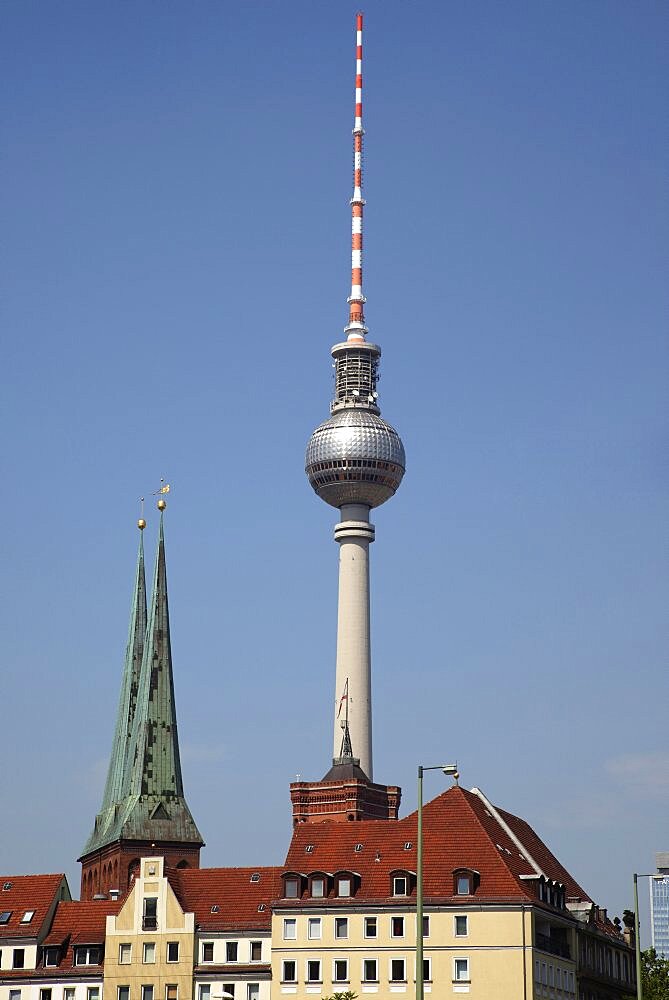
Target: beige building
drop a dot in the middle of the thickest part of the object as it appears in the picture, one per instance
(149, 944)
(498, 909)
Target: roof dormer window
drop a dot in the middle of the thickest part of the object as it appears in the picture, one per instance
(465, 881)
(400, 885)
(317, 887)
(51, 956)
(292, 886)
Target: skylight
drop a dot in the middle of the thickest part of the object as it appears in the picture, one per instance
(358, 847)
(4, 917)
(214, 908)
(261, 907)
(6, 886)
(408, 845)
(255, 877)
(27, 916)
(309, 849)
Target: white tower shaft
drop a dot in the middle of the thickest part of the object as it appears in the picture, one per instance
(353, 678)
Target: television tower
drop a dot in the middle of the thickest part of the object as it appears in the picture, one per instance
(355, 461)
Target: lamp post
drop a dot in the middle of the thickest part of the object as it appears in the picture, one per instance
(637, 941)
(449, 769)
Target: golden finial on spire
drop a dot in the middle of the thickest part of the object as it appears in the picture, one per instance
(164, 488)
(141, 523)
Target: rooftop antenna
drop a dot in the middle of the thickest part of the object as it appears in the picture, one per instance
(356, 329)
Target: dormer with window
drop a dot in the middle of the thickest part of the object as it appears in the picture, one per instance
(293, 885)
(465, 881)
(87, 954)
(319, 884)
(346, 883)
(402, 882)
(51, 956)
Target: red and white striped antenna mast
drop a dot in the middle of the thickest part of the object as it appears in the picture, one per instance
(356, 329)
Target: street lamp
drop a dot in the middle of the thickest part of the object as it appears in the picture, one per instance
(637, 941)
(448, 769)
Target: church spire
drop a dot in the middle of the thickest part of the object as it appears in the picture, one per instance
(155, 759)
(144, 806)
(118, 771)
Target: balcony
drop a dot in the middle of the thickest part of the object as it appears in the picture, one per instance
(149, 923)
(552, 945)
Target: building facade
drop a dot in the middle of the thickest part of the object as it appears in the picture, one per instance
(659, 905)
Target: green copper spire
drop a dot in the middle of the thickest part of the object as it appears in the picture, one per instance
(144, 797)
(118, 772)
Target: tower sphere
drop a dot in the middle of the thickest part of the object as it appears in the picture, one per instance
(355, 457)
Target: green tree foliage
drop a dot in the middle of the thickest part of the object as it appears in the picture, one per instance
(654, 976)
(342, 996)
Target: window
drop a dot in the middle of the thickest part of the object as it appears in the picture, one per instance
(369, 971)
(314, 929)
(150, 918)
(340, 970)
(341, 927)
(27, 916)
(68, 993)
(318, 888)
(461, 970)
(45, 993)
(147, 993)
(124, 954)
(229, 988)
(344, 887)
(171, 991)
(51, 956)
(427, 970)
(289, 929)
(397, 927)
(255, 877)
(426, 927)
(399, 885)
(123, 993)
(292, 888)
(4, 916)
(15, 995)
(463, 885)
(149, 953)
(204, 991)
(256, 951)
(172, 951)
(397, 970)
(460, 926)
(537, 971)
(253, 991)
(93, 993)
(551, 976)
(370, 927)
(289, 972)
(207, 951)
(313, 971)
(231, 949)
(88, 954)
(18, 958)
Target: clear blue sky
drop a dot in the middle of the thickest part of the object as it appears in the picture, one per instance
(176, 261)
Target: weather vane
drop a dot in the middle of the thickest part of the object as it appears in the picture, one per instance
(164, 488)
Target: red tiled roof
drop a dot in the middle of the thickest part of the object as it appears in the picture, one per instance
(79, 923)
(232, 891)
(458, 832)
(28, 892)
(82, 923)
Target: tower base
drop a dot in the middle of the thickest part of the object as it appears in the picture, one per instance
(345, 794)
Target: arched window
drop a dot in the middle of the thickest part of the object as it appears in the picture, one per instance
(183, 864)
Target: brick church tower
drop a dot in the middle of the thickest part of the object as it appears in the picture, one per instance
(143, 808)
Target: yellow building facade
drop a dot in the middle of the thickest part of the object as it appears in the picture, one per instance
(149, 943)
